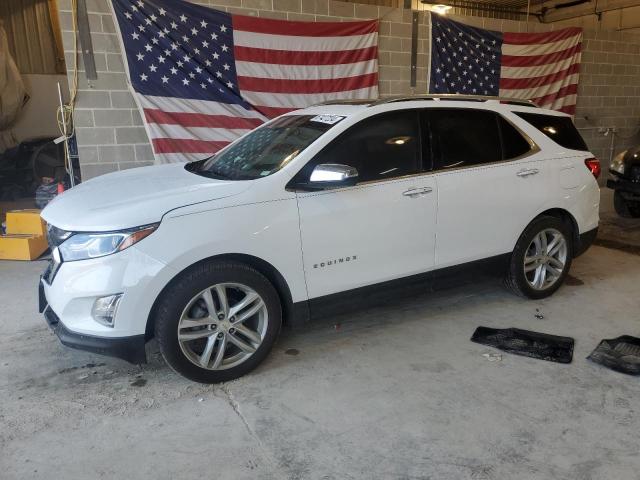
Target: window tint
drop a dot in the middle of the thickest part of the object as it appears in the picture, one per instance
(268, 148)
(513, 143)
(559, 129)
(384, 146)
(464, 137)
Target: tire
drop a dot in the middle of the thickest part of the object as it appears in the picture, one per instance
(520, 281)
(634, 209)
(185, 306)
(622, 207)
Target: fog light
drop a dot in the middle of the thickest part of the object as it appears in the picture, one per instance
(104, 309)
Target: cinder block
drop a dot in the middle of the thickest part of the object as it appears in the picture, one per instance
(400, 30)
(116, 153)
(122, 100)
(98, 6)
(114, 62)
(83, 117)
(257, 4)
(301, 17)
(391, 15)
(341, 9)
(88, 154)
(390, 44)
(105, 42)
(91, 171)
(95, 135)
(108, 25)
(105, 81)
(95, 22)
(366, 11)
(316, 7)
(144, 153)
(287, 6)
(272, 14)
(112, 118)
(88, 99)
(126, 135)
(136, 117)
(242, 11)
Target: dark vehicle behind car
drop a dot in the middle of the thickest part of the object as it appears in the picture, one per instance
(625, 181)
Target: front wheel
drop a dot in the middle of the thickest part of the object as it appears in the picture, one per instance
(541, 259)
(218, 321)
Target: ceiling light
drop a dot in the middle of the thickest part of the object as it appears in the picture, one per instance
(397, 140)
(440, 8)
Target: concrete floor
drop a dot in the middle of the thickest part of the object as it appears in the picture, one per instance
(397, 392)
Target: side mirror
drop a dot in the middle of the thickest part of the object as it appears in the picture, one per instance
(332, 175)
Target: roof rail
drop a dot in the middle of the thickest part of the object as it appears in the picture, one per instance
(455, 96)
(362, 101)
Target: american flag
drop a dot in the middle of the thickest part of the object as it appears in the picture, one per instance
(542, 67)
(203, 77)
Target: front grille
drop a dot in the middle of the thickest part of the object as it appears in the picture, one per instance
(634, 173)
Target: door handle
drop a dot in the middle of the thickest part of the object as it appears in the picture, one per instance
(414, 192)
(527, 172)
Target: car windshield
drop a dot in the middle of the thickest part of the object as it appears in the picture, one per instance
(268, 148)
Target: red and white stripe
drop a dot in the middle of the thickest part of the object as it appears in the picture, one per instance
(543, 67)
(286, 65)
(185, 130)
(281, 66)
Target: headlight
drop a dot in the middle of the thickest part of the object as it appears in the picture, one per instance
(81, 246)
(617, 165)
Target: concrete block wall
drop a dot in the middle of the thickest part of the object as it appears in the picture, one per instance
(609, 91)
(111, 135)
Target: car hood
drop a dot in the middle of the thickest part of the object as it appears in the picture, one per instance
(135, 197)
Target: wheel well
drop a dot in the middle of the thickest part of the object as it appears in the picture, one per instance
(264, 267)
(567, 218)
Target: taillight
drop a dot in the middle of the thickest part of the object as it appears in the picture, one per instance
(593, 164)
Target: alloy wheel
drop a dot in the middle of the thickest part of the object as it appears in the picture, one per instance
(222, 326)
(545, 259)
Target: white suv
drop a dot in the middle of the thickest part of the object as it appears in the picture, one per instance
(320, 205)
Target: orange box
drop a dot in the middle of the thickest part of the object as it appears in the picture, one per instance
(22, 247)
(25, 222)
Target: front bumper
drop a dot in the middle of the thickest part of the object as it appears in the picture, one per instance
(586, 239)
(67, 298)
(131, 349)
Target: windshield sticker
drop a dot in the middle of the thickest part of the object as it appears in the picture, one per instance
(328, 119)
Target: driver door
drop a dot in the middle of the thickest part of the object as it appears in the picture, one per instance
(381, 229)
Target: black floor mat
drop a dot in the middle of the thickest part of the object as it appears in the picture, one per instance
(621, 354)
(529, 344)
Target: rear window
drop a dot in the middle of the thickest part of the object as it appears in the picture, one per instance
(559, 129)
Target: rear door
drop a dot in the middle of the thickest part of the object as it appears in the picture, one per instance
(382, 228)
(491, 180)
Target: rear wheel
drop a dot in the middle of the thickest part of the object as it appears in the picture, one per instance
(218, 321)
(541, 259)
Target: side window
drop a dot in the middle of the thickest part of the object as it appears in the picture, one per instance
(380, 147)
(464, 137)
(513, 143)
(560, 129)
